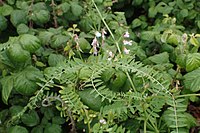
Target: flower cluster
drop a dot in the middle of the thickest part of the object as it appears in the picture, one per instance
(95, 43)
(126, 42)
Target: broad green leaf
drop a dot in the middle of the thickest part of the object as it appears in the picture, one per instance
(37, 129)
(30, 42)
(15, 109)
(58, 41)
(17, 129)
(76, 9)
(55, 59)
(41, 16)
(192, 61)
(181, 60)
(45, 37)
(25, 81)
(184, 13)
(17, 54)
(194, 41)
(192, 80)
(22, 29)
(198, 24)
(136, 23)
(17, 17)
(5, 10)
(163, 8)
(58, 120)
(160, 58)
(148, 35)
(3, 23)
(11, 2)
(173, 39)
(137, 2)
(7, 86)
(84, 45)
(164, 37)
(31, 118)
(53, 128)
(64, 7)
(152, 12)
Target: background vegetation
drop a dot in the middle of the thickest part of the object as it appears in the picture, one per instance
(99, 66)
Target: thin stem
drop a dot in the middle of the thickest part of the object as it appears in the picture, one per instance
(187, 95)
(103, 20)
(130, 80)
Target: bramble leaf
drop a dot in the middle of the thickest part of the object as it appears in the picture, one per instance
(7, 86)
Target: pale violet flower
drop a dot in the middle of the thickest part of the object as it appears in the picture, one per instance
(97, 34)
(126, 35)
(95, 42)
(126, 51)
(125, 42)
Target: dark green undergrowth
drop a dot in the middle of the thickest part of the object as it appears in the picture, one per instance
(95, 66)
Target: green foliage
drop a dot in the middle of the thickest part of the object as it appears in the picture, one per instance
(99, 65)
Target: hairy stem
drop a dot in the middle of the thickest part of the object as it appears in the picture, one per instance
(103, 20)
(53, 5)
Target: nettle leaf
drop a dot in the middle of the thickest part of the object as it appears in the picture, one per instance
(41, 16)
(194, 41)
(17, 129)
(163, 8)
(148, 35)
(45, 37)
(25, 81)
(3, 23)
(17, 54)
(5, 10)
(64, 7)
(37, 129)
(17, 17)
(136, 23)
(58, 120)
(152, 12)
(22, 29)
(7, 86)
(30, 42)
(192, 61)
(30, 119)
(55, 59)
(181, 60)
(76, 9)
(173, 39)
(184, 13)
(58, 41)
(84, 45)
(192, 80)
(52, 128)
(160, 58)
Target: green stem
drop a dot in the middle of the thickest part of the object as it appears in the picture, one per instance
(130, 80)
(187, 95)
(103, 20)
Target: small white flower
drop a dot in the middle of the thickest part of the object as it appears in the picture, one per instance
(109, 59)
(125, 42)
(102, 121)
(126, 51)
(126, 35)
(110, 54)
(97, 34)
